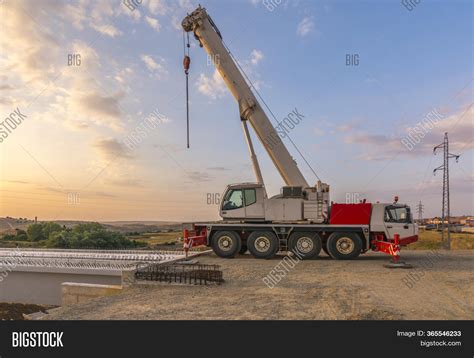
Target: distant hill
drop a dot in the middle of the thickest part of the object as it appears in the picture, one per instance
(8, 224)
(142, 226)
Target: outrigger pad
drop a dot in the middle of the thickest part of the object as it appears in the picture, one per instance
(399, 264)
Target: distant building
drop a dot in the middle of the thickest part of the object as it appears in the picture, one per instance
(436, 221)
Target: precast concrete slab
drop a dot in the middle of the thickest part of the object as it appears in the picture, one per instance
(108, 255)
(36, 275)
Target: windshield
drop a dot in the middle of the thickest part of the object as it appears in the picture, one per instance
(233, 200)
(397, 214)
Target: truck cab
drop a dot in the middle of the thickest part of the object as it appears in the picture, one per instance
(393, 219)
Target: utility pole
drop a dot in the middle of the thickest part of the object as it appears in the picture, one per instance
(445, 209)
(419, 210)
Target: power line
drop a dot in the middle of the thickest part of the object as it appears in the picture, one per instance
(445, 208)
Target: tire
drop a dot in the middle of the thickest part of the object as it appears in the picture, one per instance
(344, 246)
(263, 244)
(305, 245)
(243, 249)
(226, 243)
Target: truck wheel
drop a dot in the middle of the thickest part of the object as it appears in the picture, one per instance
(243, 249)
(226, 243)
(344, 246)
(263, 244)
(305, 245)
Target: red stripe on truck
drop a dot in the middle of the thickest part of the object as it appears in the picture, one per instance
(350, 214)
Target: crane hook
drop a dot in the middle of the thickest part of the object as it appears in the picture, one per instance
(186, 64)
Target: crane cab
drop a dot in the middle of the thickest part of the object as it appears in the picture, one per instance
(243, 201)
(249, 202)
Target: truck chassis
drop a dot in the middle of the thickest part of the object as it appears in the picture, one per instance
(305, 240)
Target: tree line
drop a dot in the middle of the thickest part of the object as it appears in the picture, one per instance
(80, 236)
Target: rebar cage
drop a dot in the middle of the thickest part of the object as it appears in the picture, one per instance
(197, 274)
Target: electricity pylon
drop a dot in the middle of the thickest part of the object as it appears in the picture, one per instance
(445, 209)
(420, 209)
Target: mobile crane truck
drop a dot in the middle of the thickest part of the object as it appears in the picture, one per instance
(300, 219)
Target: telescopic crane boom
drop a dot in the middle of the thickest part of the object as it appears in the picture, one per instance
(209, 37)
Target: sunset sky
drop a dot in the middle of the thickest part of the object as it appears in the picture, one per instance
(68, 159)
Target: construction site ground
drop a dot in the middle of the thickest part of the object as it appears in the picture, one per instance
(320, 289)
(15, 311)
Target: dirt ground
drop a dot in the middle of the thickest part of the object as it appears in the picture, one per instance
(15, 311)
(441, 286)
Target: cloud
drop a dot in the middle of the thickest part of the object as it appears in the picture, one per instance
(124, 75)
(5, 87)
(199, 176)
(325, 127)
(76, 15)
(154, 23)
(100, 105)
(150, 62)
(319, 132)
(176, 23)
(212, 87)
(218, 168)
(131, 10)
(459, 125)
(256, 56)
(306, 26)
(347, 127)
(110, 149)
(35, 59)
(101, 16)
(89, 56)
(104, 194)
(174, 10)
(371, 79)
(7, 101)
(158, 7)
(96, 15)
(102, 10)
(158, 68)
(124, 182)
(27, 50)
(108, 30)
(15, 181)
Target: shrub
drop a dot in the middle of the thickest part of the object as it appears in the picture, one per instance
(90, 235)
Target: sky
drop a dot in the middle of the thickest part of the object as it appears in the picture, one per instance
(378, 84)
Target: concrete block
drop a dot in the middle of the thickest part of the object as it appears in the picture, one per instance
(73, 292)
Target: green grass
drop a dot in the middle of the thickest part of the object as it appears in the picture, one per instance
(431, 240)
(152, 239)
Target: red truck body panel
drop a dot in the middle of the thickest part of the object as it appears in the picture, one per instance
(350, 214)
